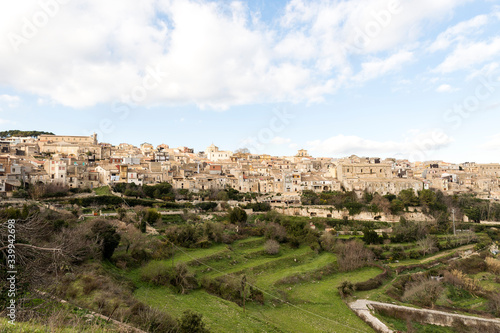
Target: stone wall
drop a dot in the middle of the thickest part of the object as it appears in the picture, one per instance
(331, 212)
(439, 318)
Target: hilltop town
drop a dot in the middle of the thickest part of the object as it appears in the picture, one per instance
(161, 239)
(81, 162)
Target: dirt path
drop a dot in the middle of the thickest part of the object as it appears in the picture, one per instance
(447, 252)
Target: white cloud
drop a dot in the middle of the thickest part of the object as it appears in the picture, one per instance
(277, 140)
(493, 143)
(211, 54)
(10, 100)
(415, 144)
(466, 55)
(458, 32)
(484, 71)
(379, 67)
(445, 88)
(6, 121)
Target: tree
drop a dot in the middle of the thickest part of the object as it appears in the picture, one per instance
(397, 206)
(191, 322)
(352, 255)
(152, 216)
(428, 245)
(107, 237)
(242, 151)
(474, 214)
(408, 197)
(371, 237)
(382, 204)
(427, 197)
(237, 215)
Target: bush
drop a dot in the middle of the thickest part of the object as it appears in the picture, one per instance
(493, 265)
(275, 231)
(272, 247)
(373, 283)
(152, 216)
(422, 292)
(206, 206)
(327, 241)
(237, 215)
(346, 288)
(151, 320)
(191, 322)
(107, 237)
(161, 273)
(471, 265)
(352, 255)
(259, 206)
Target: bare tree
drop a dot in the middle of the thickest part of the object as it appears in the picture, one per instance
(427, 245)
(352, 255)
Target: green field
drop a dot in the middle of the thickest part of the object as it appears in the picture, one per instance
(103, 190)
(310, 306)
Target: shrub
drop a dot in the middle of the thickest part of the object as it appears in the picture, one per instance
(494, 303)
(493, 265)
(459, 279)
(471, 265)
(398, 253)
(151, 320)
(373, 283)
(422, 292)
(152, 216)
(191, 322)
(327, 241)
(352, 255)
(272, 247)
(107, 237)
(275, 231)
(346, 288)
(230, 287)
(160, 273)
(206, 206)
(237, 215)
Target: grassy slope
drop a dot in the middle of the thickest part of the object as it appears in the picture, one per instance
(103, 190)
(318, 305)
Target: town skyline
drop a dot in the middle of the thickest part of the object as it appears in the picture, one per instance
(297, 148)
(384, 78)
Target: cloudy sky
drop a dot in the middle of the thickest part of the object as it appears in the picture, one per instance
(416, 79)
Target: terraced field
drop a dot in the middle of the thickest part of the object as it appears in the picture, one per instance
(305, 306)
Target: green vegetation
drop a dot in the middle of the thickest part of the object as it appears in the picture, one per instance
(10, 133)
(203, 271)
(409, 325)
(103, 190)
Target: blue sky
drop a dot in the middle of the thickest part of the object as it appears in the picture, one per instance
(407, 79)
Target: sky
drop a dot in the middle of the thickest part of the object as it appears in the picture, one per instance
(414, 79)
